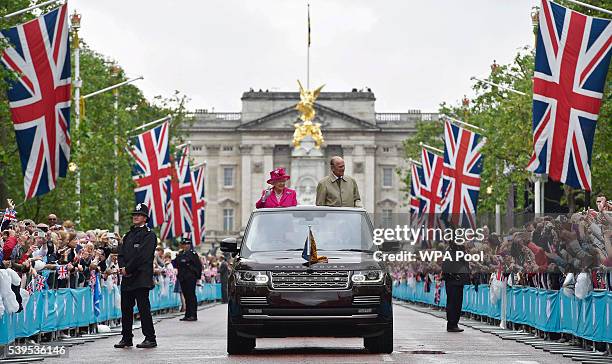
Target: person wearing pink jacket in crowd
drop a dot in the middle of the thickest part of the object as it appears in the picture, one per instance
(278, 195)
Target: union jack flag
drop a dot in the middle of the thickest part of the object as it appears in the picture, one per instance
(461, 179)
(198, 204)
(62, 272)
(431, 192)
(571, 64)
(152, 171)
(179, 218)
(92, 279)
(39, 282)
(416, 178)
(39, 98)
(9, 215)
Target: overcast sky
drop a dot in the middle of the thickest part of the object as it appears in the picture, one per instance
(412, 54)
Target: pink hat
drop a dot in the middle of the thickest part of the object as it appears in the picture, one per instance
(278, 174)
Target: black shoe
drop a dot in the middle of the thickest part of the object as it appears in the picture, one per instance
(191, 319)
(455, 329)
(183, 319)
(147, 344)
(123, 344)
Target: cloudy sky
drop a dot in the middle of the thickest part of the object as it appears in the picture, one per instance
(412, 54)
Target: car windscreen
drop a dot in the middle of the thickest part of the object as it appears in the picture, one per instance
(288, 230)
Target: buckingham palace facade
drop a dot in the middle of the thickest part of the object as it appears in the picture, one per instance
(241, 148)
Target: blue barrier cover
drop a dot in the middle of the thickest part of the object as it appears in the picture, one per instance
(551, 311)
(53, 310)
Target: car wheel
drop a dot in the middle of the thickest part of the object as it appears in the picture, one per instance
(237, 344)
(380, 344)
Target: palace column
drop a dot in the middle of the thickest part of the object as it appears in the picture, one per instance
(245, 178)
(347, 152)
(367, 196)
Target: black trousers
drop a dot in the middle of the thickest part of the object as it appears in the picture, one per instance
(139, 296)
(454, 300)
(188, 287)
(223, 290)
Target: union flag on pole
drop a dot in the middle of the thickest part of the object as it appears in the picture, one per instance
(461, 179)
(198, 204)
(152, 171)
(39, 99)
(416, 178)
(179, 217)
(571, 64)
(431, 192)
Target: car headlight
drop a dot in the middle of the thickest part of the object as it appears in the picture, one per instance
(252, 277)
(367, 277)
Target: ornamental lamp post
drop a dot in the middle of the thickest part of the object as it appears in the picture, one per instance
(75, 24)
(535, 19)
(116, 71)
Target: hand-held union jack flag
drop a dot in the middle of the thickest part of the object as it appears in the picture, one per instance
(62, 272)
(39, 98)
(152, 171)
(179, 216)
(571, 64)
(198, 204)
(461, 179)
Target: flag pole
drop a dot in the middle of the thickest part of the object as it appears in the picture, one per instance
(75, 22)
(457, 121)
(167, 117)
(308, 53)
(590, 6)
(500, 86)
(431, 148)
(415, 162)
(112, 87)
(32, 8)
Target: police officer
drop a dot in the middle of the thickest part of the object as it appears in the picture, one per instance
(456, 274)
(189, 268)
(136, 267)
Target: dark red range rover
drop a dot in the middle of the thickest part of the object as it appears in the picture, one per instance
(274, 292)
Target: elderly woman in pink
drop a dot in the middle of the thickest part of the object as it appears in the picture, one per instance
(278, 195)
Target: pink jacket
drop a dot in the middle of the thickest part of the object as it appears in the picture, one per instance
(288, 199)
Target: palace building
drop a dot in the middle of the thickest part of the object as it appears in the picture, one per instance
(241, 148)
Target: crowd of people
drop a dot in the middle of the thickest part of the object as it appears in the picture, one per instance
(547, 252)
(54, 254)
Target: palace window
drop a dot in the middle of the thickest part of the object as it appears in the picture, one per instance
(387, 177)
(228, 220)
(228, 176)
(387, 218)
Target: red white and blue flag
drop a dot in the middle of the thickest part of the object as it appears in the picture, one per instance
(416, 178)
(198, 204)
(431, 192)
(9, 215)
(39, 98)
(152, 171)
(62, 271)
(179, 217)
(461, 179)
(571, 64)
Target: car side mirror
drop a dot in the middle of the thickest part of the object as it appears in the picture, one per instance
(229, 245)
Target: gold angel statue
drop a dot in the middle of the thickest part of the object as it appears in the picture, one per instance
(306, 104)
(306, 108)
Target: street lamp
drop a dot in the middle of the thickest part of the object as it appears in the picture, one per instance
(75, 22)
(494, 67)
(535, 20)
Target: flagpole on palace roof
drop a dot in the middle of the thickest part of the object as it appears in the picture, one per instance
(308, 53)
(32, 8)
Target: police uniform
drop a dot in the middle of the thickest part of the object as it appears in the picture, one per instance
(136, 255)
(189, 267)
(456, 274)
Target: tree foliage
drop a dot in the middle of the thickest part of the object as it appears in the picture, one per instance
(94, 153)
(507, 120)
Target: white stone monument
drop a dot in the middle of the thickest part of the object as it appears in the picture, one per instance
(307, 168)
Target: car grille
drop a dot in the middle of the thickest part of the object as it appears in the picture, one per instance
(253, 301)
(366, 300)
(312, 280)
